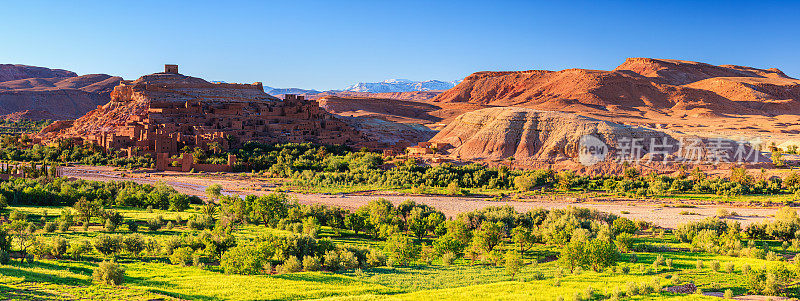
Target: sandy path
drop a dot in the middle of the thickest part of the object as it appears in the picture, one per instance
(659, 215)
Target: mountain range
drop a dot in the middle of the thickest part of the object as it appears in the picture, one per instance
(387, 86)
(400, 85)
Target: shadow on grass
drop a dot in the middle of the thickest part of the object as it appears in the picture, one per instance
(16, 270)
(14, 293)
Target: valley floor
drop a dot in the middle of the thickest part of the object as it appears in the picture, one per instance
(667, 213)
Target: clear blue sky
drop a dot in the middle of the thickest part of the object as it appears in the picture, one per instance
(331, 44)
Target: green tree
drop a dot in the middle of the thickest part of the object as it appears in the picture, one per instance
(488, 235)
(416, 222)
(513, 262)
(86, 209)
(271, 208)
(777, 158)
(600, 254)
(624, 225)
(523, 237)
(572, 254)
(356, 222)
(402, 249)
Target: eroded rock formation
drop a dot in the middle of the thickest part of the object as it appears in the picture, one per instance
(532, 135)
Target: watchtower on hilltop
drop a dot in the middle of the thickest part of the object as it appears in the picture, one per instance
(171, 69)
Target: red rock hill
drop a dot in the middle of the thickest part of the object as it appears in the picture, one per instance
(54, 93)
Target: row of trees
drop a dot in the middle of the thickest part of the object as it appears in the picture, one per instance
(20, 148)
(328, 166)
(63, 192)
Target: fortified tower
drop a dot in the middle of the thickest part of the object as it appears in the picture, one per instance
(171, 69)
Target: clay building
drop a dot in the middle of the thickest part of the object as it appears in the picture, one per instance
(166, 112)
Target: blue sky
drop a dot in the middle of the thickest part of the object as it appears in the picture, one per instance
(331, 44)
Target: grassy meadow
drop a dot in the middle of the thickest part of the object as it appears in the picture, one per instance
(541, 277)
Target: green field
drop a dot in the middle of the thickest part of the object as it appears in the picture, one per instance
(153, 276)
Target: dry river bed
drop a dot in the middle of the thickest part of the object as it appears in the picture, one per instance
(193, 184)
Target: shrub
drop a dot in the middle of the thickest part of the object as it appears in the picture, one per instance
(50, 227)
(513, 262)
(699, 264)
(59, 247)
(292, 265)
(339, 259)
(659, 261)
(624, 242)
(154, 224)
(110, 226)
(729, 267)
(623, 225)
(715, 265)
(728, 294)
(63, 226)
(376, 259)
(267, 267)
(312, 263)
(668, 262)
(631, 289)
(745, 269)
(772, 256)
(76, 250)
(178, 202)
(448, 258)
(347, 260)
(200, 222)
(133, 226)
(198, 259)
(133, 244)
(181, 256)
(107, 244)
(17, 215)
(66, 220)
(109, 273)
(245, 260)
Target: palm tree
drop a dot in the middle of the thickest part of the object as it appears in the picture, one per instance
(215, 147)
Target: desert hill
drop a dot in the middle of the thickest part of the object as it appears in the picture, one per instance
(530, 135)
(383, 108)
(29, 115)
(9, 72)
(683, 96)
(677, 88)
(534, 138)
(55, 93)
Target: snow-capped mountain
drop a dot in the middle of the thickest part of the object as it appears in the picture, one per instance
(400, 85)
(280, 91)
